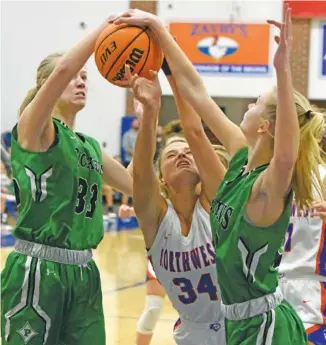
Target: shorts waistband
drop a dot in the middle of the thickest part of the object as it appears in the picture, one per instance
(253, 307)
(60, 255)
(214, 325)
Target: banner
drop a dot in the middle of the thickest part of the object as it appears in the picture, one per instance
(307, 9)
(225, 48)
(323, 56)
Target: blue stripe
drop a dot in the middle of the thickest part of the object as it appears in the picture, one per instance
(322, 258)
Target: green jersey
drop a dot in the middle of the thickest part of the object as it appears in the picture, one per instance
(59, 192)
(247, 256)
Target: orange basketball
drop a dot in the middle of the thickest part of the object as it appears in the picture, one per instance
(118, 45)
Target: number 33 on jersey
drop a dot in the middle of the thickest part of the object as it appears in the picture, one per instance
(65, 182)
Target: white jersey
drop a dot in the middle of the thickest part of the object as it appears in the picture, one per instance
(185, 266)
(304, 252)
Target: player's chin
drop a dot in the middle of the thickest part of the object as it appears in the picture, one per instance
(188, 172)
(79, 105)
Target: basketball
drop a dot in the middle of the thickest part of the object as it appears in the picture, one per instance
(118, 45)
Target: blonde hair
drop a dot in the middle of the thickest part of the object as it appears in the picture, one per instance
(306, 178)
(223, 155)
(44, 70)
(323, 139)
(172, 129)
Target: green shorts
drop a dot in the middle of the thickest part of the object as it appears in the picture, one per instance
(45, 302)
(279, 326)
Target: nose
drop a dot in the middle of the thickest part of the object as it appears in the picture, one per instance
(181, 154)
(80, 83)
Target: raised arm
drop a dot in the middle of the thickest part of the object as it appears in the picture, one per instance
(188, 81)
(278, 176)
(35, 126)
(211, 170)
(150, 207)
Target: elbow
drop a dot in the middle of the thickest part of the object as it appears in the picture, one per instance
(62, 67)
(194, 132)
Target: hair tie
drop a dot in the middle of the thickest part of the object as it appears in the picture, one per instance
(308, 114)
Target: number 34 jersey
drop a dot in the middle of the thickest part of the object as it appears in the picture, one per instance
(59, 191)
(185, 266)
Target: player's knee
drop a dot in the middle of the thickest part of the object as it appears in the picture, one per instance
(150, 315)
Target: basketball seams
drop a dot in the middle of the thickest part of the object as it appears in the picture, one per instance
(148, 50)
(127, 46)
(111, 33)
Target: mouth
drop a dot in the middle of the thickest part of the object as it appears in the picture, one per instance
(183, 164)
(81, 93)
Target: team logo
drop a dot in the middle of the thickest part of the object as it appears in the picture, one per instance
(217, 46)
(215, 326)
(27, 332)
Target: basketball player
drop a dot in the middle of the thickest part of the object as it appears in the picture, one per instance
(176, 226)
(155, 292)
(51, 289)
(303, 267)
(251, 210)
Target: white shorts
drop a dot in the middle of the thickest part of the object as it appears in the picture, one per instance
(191, 333)
(308, 298)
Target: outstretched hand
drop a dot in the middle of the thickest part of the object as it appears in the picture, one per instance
(134, 17)
(284, 40)
(126, 211)
(146, 91)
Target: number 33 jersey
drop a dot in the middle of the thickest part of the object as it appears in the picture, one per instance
(58, 192)
(185, 266)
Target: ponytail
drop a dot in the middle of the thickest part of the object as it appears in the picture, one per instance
(306, 181)
(307, 184)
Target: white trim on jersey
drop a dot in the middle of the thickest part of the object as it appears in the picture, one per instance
(23, 299)
(270, 332)
(35, 303)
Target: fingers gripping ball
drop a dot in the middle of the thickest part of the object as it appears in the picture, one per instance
(118, 45)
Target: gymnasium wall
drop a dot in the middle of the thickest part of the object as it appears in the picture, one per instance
(30, 31)
(317, 58)
(39, 28)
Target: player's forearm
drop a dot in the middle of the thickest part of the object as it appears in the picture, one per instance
(145, 144)
(76, 58)
(287, 131)
(190, 120)
(182, 69)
